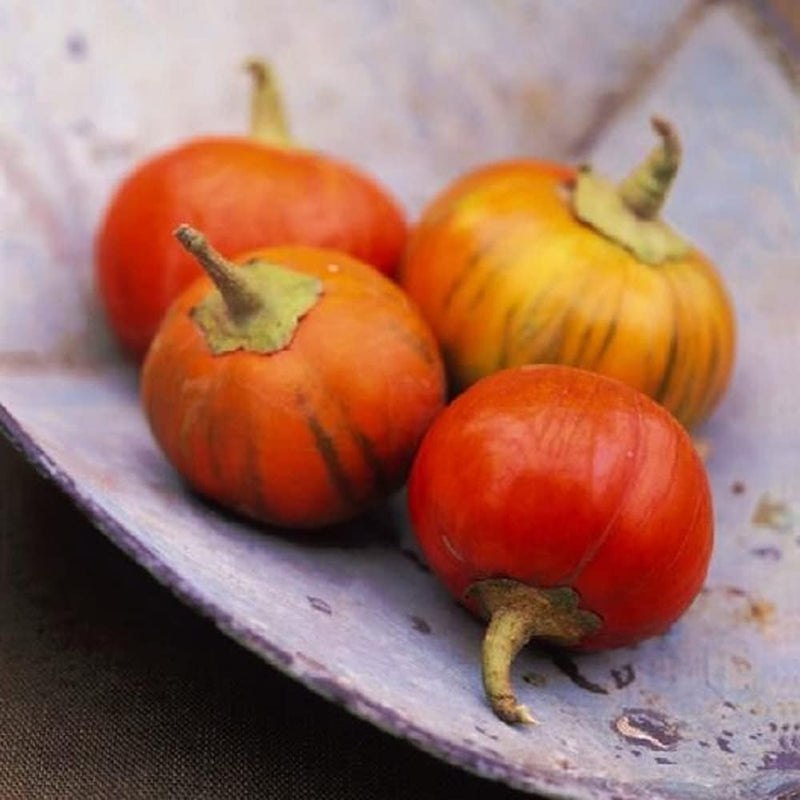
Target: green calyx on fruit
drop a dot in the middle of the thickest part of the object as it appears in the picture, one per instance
(258, 305)
(628, 213)
(267, 117)
(518, 613)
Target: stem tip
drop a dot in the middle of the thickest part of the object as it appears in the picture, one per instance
(190, 238)
(259, 70)
(645, 189)
(669, 137)
(509, 710)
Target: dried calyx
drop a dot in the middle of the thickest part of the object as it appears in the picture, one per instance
(256, 306)
(518, 613)
(628, 213)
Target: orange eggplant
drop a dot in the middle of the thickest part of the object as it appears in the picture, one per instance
(293, 388)
(243, 192)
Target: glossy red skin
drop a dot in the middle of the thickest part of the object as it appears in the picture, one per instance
(243, 195)
(555, 476)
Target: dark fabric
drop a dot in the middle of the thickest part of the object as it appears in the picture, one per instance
(110, 688)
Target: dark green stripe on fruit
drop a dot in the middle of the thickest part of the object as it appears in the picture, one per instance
(504, 351)
(672, 355)
(253, 474)
(479, 252)
(611, 332)
(371, 459)
(669, 368)
(326, 448)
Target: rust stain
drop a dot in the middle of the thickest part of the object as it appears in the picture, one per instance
(318, 604)
(751, 609)
(420, 625)
(762, 612)
(647, 728)
(787, 756)
(624, 676)
(773, 513)
(724, 744)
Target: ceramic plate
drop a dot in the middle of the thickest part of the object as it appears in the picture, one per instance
(417, 93)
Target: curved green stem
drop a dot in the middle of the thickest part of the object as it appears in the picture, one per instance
(267, 117)
(508, 632)
(627, 214)
(517, 613)
(258, 305)
(241, 299)
(645, 189)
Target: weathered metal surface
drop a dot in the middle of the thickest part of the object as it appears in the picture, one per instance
(709, 711)
(413, 90)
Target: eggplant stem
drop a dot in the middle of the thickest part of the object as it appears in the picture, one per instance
(267, 115)
(627, 213)
(508, 632)
(518, 613)
(242, 301)
(645, 189)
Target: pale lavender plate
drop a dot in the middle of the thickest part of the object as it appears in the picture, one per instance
(417, 93)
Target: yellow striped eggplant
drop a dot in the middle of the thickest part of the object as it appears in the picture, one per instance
(526, 262)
